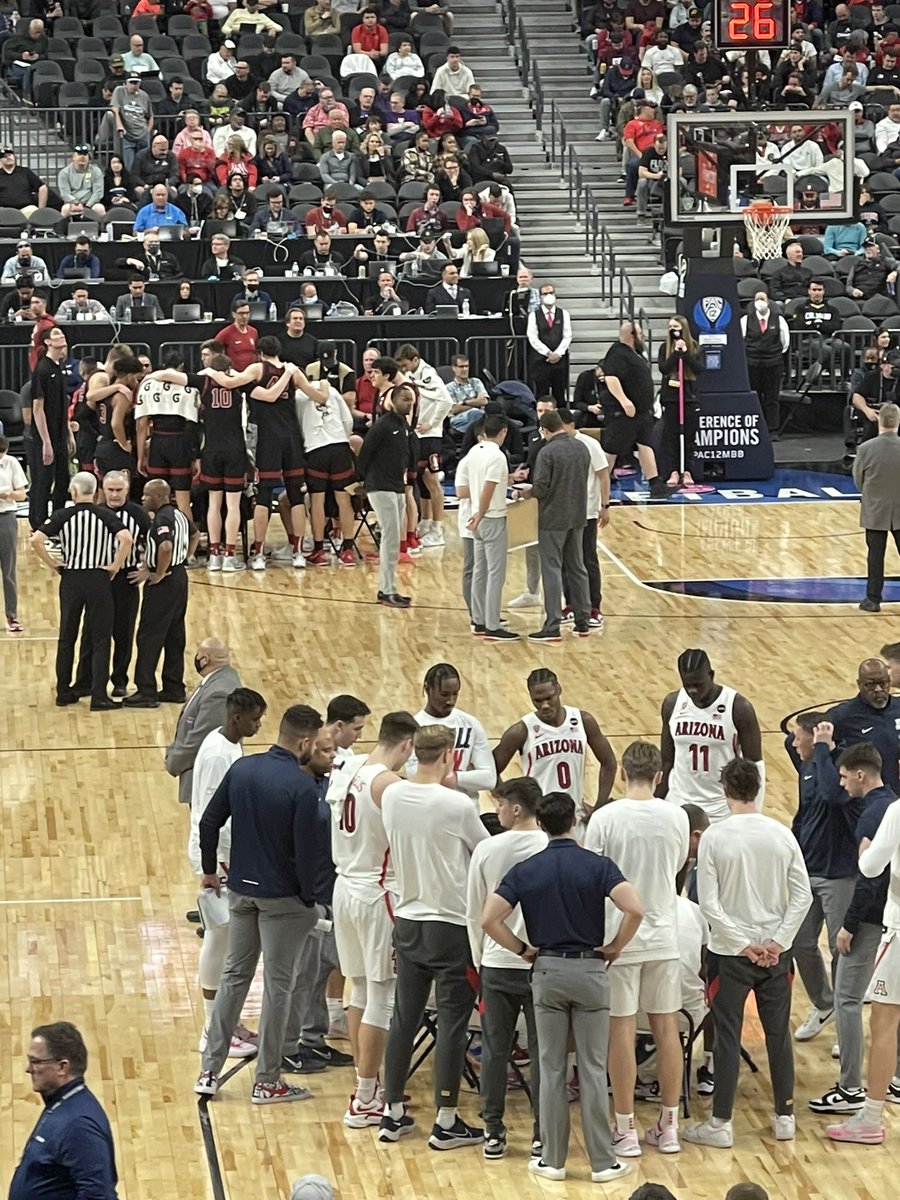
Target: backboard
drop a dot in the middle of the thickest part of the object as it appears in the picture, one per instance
(727, 160)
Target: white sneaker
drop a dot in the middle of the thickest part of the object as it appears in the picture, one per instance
(784, 1127)
(257, 562)
(836, 1050)
(231, 564)
(214, 562)
(526, 600)
(537, 1166)
(627, 1145)
(602, 135)
(434, 537)
(241, 1049)
(297, 560)
(283, 553)
(720, 1135)
(610, 1174)
(422, 528)
(813, 1025)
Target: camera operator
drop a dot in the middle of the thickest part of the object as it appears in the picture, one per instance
(877, 388)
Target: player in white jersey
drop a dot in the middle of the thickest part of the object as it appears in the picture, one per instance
(473, 763)
(244, 711)
(704, 726)
(363, 906)
(552, 743)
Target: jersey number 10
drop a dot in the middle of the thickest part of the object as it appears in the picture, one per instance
(348, 814)
(699, 757)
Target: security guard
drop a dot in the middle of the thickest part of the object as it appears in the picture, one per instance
(95, 546)
(126, 595)
(171, 539)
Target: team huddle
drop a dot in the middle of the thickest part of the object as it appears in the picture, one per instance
(590, 921)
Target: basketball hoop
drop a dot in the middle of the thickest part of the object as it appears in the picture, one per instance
(766, 225)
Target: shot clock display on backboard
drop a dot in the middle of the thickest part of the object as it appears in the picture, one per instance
(751, 24)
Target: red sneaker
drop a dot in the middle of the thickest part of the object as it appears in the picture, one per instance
(318, 558)
(347, 558)
(413, 541)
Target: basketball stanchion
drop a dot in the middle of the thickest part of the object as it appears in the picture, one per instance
(695, 489)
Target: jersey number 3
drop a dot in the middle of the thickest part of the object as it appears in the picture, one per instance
(699, 757)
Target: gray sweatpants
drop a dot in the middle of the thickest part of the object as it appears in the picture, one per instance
(489, 574)
(307, 1021)
(390, 510)
(430, 952)
(571, 995)
(8, 532)
(854, 971)
(558, 547)
(505, 992)
(831, 899)
(277, 928)
(468, 545)
(731, 979)
(532, 569)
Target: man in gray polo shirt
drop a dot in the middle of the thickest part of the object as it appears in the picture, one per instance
(559, 482)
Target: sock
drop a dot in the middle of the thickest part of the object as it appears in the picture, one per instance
(446, 1117)
(668, 1117)
(294, 541)
(624, 1123)
(335, 1010)
(404, 546)
(346, 544)
(208, 1006)
(394, 1111)
(256, 548)
(718, 1122)
(229, 548)
(708, 1060)
(365, 1089)
(873, 1112)
(215, 548)
(318, 545)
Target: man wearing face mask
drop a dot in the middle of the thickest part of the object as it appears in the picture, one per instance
(150, 261)
(549, 333)
(81, 258)
(195, 203)
(766, 341)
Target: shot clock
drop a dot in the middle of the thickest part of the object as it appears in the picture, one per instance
(751, 24)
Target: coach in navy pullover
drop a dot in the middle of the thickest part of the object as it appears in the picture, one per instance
(873, 715)
(867, 905)
(826, 818)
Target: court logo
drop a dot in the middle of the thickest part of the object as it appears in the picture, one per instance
(712, 314)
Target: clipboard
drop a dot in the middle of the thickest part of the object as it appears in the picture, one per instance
(522, 523)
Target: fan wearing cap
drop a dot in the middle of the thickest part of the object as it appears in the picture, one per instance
(618, 85)
(220, 64)
(870, 275)
(19, 187)
(863, 130)
(686, 36)
(24, 262)
(133, 115)
(80, 185)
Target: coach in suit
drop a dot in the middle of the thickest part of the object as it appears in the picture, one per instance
(203, 712)
(448, 291)
(876, 472)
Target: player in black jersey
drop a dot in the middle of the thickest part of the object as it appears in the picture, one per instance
(115, 448)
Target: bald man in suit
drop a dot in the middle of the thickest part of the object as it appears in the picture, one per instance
(203, 712)
(876, 472)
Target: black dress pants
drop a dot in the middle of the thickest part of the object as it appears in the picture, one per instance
(126, 601)
(81, 592)
(876, 546)
(551, 379)
(161, 632)
(46, 482)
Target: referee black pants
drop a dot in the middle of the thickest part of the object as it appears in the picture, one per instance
(46, 482)
(82, 592)
(161, 632)
(126, 600)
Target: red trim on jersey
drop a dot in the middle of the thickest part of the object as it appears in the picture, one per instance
(387, 905)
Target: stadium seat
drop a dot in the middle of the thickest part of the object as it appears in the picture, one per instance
(162, 46)
(146, 26)
(89, 70)
(69, 28)
(381, 189)
(107, 27)
(878, 307)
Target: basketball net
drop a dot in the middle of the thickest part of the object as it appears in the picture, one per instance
(766, 225)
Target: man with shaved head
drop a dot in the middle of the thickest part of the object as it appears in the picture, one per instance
(204, 711)
(872, 715)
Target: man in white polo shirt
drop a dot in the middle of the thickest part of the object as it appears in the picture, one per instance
(488, 475)
(649, 840)
(505, 977)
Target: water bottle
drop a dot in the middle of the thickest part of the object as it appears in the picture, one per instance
(273, 312)
(465, 308)
(126, 316)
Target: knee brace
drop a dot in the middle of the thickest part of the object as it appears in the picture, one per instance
(358, 993)
(294, 490)
(379, 1004)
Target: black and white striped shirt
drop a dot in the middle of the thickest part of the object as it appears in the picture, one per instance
(137, 522)
(169, 525)
(87, 535)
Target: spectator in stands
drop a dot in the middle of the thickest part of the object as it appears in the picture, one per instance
(135, 59)
(241, 86)
(817, 317)
(549, 334)
(841, 240)
(15, 305)
(336, 123)
(380, 251)
(870, 275)
(638, 136)
(155, 165)
(877, 388)
(395, 16)
(81, 307)
(662, 56)
(149, 260)
(274, 210)
(236, 126)
(82, 258)
(321, 20)
(887, 131)
(686, 36)
(337, 164)
(591, 397)
(19, 186)
(241, 203)
(489, 160)
(175, 101)
(197, 161)
(475, 249)
(645, 16)
(791, 281)
(221, 265)
(479, 118)
(195, 201)
(80, 185)
(468, 393)
(158, 212)
(840, 94)
(453, 78)
(322, 257)
(370, 38)
(298, 103)
(286, 79)
(417, 164)
(118, 190)
(427, 258)
(448, 292)
(439, 116)
(885, 77)
(766, 340)
(404, 63)
(133, 116)
(401, 123)
(318, 116)
(438, 6)
(249, 19)
(25, 262)
(384, 300)
(192, 125)
(652, 169)
(272, 166)
(366, 217)
(374, 161)
(452, 180)
(251, 291)
(138, 299)
(220, 64)
(219, 106)
(236, 163)
(429, 211)
(21, 52)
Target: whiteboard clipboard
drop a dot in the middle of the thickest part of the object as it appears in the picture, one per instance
(522, 523)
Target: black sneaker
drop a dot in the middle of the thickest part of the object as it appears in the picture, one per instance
(544, 635)
(478, 630)
(868, 605)
(706, 1081)
(495, 1143)
(391, 1130)
(329, 1056)
(537, 1148)
(659, 490)
(500, 635)
(459, 1134)
(839, 1100)
(303, 1061)
(582, 630)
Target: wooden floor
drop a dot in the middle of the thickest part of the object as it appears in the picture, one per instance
(94, 880)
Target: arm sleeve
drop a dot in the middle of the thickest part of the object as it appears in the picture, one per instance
(540, 476)
(482, 775)
(563, 346)
(877, 854)
(476, 894)
(86, 1153)
(214, 817)
(180, 754)
(708, 896)
(533, 340)
(828, 780)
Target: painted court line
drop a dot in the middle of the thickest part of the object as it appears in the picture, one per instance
(74, 900)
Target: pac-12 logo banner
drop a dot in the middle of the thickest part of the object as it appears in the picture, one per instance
(712, 314)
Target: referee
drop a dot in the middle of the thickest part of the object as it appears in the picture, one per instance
(171, 540)
(126, 595)
(95, 546)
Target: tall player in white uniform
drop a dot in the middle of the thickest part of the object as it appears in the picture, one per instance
(363, 904)
(552, 743)
(473, 763)
(704, 725)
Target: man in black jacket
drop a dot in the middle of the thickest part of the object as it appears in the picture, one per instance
(870, 274)
(791, 281)
(156, 165)
(448, 292)
(822, 322)
(389, 451)
(150, 261)
(489, 160)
